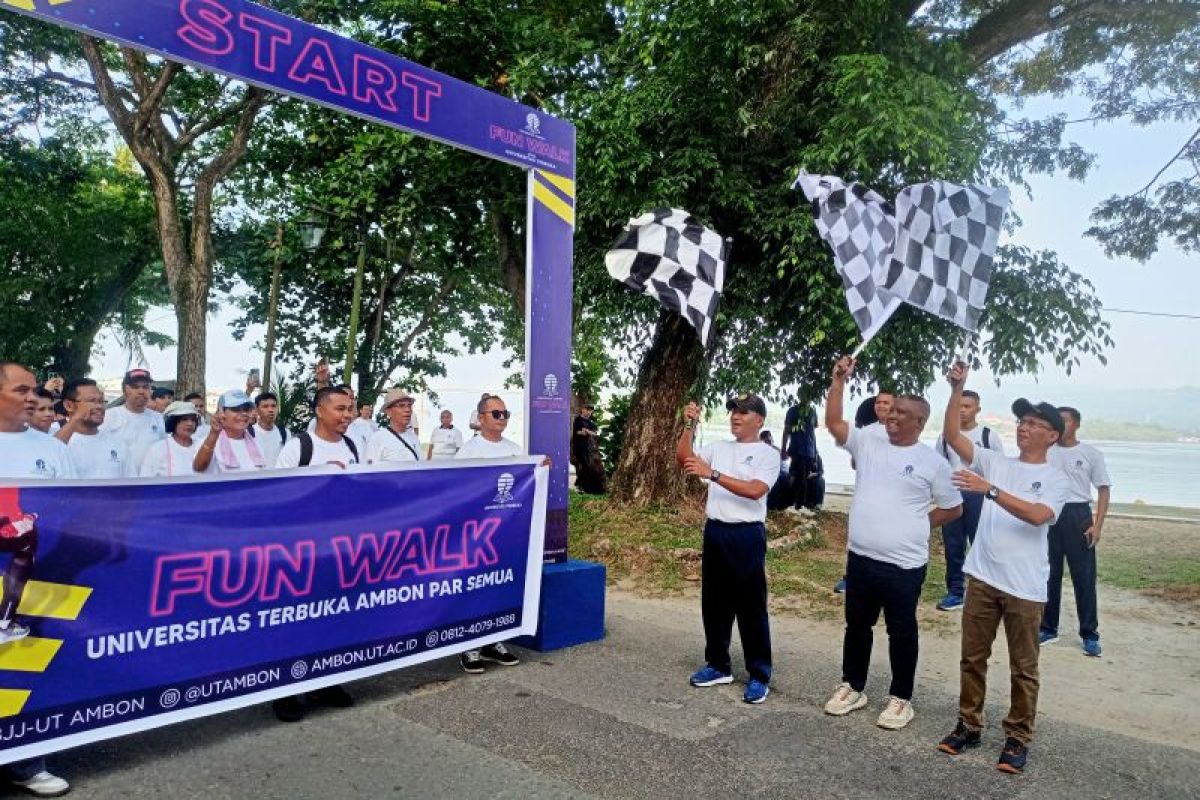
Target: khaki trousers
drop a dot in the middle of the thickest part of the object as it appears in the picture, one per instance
(984, 609)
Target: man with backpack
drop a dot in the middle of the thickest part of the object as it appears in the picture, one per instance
(957, 536)
(328, 442)
(270, 437)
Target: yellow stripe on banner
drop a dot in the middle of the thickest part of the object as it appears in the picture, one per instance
(30, 654)
(54, 600)
(12, 701)
(553, 202)
(565, 185)
(27, 5)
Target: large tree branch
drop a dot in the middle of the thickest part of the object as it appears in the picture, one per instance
(106, 87)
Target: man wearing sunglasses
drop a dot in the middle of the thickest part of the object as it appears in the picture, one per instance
(1008, 567)
(490, 443)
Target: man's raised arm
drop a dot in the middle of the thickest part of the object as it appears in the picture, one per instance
(952, 427)
(834, 419)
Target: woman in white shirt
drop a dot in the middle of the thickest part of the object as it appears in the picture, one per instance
(174, 456)
(227, 448)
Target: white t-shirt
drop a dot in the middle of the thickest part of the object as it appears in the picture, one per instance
(33, 454)
(323, 453)
(751, 461)
(385, 446)
(889, 514)
(167, 458)
(241, 455)
(137, 431)
(361, 430)
(1009, 554)
(976, 436)
(1084, 467)
(270, 442)
(875, 429)
(479, 447)
(102, 455)
(446, 442)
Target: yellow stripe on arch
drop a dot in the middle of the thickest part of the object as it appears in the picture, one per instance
(31, 654)
(12, 701)
(553, 202)
(53, 600)
(564, 185)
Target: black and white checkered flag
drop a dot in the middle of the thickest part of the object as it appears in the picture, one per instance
(860, 227)
(667, 254)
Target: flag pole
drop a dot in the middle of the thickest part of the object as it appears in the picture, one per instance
(965, 350)
(858, 350)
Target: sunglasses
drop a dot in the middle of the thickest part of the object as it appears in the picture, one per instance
(500, 414)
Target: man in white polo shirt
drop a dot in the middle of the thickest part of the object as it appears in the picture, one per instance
(446, 439)
(94, 452)
(1007, 568)
(739, 475)
(395, 443)
(1076, 533)
(134, 422)
(897, 480)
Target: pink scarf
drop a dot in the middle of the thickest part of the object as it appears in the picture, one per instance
(229, 460)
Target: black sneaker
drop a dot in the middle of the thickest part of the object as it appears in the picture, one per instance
(958, 741)
(499, 654)
(289, 709)
(1013, 757)
(471, 662)
(333, 696)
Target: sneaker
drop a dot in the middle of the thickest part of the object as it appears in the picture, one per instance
(45, 784)
(1013, 757)
(289, 709)
(499, 654)
(840, 587)
(896, 714)
(1046, 637)
(845, 700)
(333, 696)
(961, 739)
(756, 692)
(1091, 647)
(471, 662)
(710, 676)
(951, 602)
(12, 633)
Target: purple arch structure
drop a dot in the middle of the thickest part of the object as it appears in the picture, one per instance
(277, 52)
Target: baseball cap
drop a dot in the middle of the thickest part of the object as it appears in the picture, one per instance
(180, 408)
(136, 376)
(747, 402)
(1043, 411)
(234, 398)
(394, 396)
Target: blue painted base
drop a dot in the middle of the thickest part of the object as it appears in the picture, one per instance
(572, 610)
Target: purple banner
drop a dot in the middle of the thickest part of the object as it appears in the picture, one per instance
(269, 49)
(155, 602)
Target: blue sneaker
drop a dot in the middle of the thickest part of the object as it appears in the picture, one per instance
(756, 691)
(951, 602)
(1046, 637)
(708, 676)
(1091, 647)
(840, 587)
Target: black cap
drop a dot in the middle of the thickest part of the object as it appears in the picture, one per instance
(1043, 411)
(137, 376)
(747, 402)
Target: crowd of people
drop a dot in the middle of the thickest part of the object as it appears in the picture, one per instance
(1008, 523)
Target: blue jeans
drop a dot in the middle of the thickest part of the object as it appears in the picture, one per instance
(956, 536)
(734, 586)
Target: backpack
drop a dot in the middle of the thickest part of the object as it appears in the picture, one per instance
(306, 448)
(987, 442)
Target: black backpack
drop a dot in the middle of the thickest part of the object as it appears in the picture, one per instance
(987, 442)
(306, 448)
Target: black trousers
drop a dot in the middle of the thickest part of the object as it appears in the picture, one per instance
(24, 549)
(873, 586)
(1067, 540)
(734, 586)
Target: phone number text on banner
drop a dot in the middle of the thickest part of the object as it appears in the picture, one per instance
(155, 602)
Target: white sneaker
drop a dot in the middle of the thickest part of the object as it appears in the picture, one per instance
(896, 714)
(845, 700)
(13, 632)
(44, 784)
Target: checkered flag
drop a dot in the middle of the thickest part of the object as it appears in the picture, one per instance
(946, 238)
(667, 254)
(860, 227)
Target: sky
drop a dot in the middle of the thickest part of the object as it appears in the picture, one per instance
(1149, 352)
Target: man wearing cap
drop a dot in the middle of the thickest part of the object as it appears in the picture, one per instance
(228, 449)
(739, 475)
(897, 480)
(95, 453)
(1076, 532)
(1007, 568)
(134, 422)
(395, 443)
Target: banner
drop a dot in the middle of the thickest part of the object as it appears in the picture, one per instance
(159, 601)
(278, 52)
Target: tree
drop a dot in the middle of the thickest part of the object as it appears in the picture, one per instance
(77, 250)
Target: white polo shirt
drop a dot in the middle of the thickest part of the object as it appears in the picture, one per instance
(101, 455)
(137, 431)
(1084, 467)
(446, 442)
(749, 461)
(385, 445)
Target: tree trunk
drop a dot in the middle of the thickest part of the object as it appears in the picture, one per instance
(191, 310)
(646, 470)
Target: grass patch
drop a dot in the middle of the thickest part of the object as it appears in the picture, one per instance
(1149, 573)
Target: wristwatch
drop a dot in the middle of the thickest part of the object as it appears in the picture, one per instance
(715, 476)
(992, 493)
